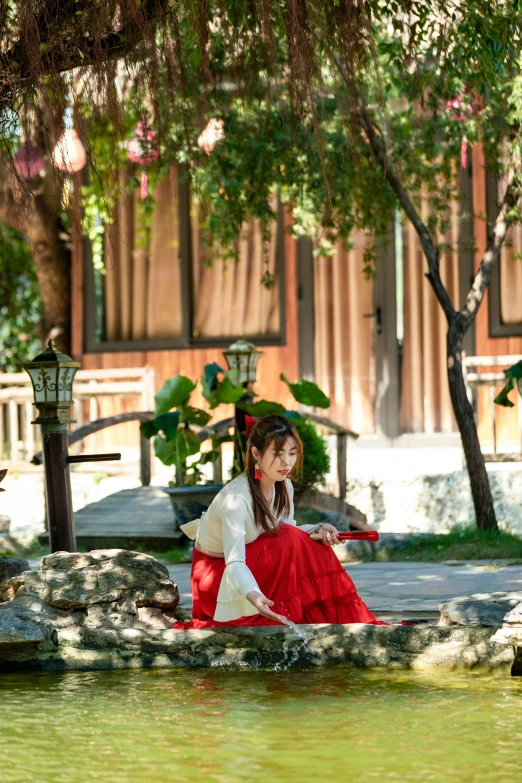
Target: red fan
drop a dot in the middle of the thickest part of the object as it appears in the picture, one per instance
(358, 535)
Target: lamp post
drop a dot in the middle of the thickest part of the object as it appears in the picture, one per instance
(52, 374)
(242, 356)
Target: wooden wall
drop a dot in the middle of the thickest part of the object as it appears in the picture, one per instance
(275, 359)
(506, 418)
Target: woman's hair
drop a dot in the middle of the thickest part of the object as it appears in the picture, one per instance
(271, 430)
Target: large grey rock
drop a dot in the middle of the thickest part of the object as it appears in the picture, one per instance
(511, 633)
(486, 609)
(279, 648)
(11, 566)
(21, 625)
(112, 589)
(77, 581)
(514, 617)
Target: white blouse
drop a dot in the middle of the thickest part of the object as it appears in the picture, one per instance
(225, 529)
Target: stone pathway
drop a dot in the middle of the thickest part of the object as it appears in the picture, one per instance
(409, 588)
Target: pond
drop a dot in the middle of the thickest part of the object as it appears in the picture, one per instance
(337, 724)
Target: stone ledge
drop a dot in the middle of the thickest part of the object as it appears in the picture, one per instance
(267, 648)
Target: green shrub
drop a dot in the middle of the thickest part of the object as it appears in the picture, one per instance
(316, 462)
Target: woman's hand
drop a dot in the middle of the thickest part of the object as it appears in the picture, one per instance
(263, 605)
(328, 534)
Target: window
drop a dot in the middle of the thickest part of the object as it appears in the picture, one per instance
(159, 290)
(505, 298)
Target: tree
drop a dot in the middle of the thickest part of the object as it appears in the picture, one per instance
(346, 107)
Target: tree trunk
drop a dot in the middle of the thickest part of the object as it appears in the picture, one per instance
(478, 477)
(53, 264)
(34, 210)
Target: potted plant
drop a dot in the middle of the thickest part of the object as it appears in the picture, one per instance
(176, 430)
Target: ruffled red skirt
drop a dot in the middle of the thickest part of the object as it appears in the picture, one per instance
(303, 578)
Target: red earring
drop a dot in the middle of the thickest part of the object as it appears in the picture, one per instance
(258, 475)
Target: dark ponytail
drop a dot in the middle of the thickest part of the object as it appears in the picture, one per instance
(267, 430)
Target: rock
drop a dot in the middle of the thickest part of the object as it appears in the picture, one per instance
(5, 524)
(20, 625)
(155, 618)
(279, 648)
(511, 633)
(514, 617)
(11, 566)
(111, 589)
(485, 609)
(76, 581)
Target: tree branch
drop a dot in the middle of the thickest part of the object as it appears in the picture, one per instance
(75, 51)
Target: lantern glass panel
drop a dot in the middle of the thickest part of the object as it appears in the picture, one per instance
(254, 359)
(65, 381)
(243, 368)
(45, 383)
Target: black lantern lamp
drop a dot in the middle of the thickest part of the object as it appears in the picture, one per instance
(243, 356)
(52, 374)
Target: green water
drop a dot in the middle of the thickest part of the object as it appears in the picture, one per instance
(340, 724)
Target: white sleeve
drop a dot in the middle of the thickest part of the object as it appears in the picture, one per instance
(237, 573)
(290, 519)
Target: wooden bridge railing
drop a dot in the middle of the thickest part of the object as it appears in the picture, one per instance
(19, 438)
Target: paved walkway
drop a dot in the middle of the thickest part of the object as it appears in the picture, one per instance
(408, 588)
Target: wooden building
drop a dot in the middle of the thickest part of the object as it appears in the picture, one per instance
(377, 347)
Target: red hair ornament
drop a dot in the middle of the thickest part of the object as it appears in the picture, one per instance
(250, 424)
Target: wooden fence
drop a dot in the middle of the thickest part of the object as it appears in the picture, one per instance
(20, 440)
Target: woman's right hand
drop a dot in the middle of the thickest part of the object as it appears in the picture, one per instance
(263, 605)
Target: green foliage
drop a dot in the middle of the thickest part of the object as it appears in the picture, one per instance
(461, 543)
(175, 393)
(20, 302)
(316, 461)
(175, 442)
(307, 393)
(429, 74)
(513, 374)
(220, 391)
(261, 408)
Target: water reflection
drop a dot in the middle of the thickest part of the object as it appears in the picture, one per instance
(302, 725)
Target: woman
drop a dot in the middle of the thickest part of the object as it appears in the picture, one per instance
(252, 565)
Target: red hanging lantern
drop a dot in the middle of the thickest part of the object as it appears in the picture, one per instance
(69, 153)
(28, 161)
(460, 109)
(142, 149)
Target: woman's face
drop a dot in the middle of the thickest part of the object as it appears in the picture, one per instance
(276, 465)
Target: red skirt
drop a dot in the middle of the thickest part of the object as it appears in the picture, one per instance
(303, 578)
